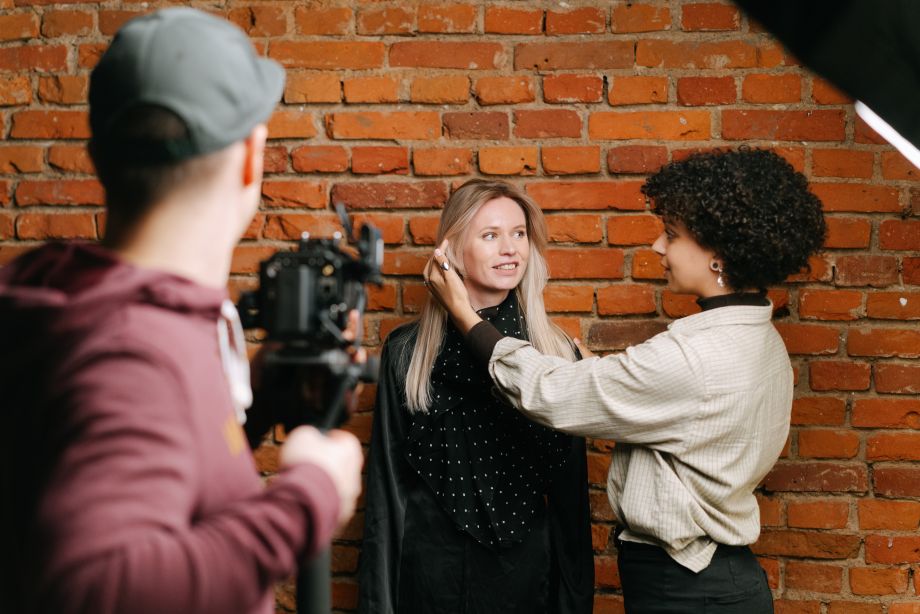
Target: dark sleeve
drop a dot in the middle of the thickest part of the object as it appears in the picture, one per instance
(481, 340)
(569, 512)
(385, 494)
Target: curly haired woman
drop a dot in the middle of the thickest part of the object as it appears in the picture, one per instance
(700, 412)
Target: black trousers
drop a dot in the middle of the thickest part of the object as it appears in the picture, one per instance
(653, 583)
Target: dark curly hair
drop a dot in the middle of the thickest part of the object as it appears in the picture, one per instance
(748, 206)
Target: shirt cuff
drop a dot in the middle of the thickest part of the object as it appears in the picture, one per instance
(481, 341)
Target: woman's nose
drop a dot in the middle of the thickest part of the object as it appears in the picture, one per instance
(659, 245)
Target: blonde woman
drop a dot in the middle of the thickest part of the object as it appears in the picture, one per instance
(470, 506)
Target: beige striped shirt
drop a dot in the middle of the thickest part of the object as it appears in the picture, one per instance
(700, 413)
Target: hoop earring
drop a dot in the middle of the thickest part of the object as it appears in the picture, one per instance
(715, 267)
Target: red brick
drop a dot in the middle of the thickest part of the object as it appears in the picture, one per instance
(290, 124)
(320, 159)
(771, 89)
(896, 481)
(904, 343)
(442, 89)
(847, 233)
(112, 20)
(646, 264)
(893, 446)
(588, 55)
(666, 125)
(503, 90)
(390, 226)
(678, 305)
(822, 92)
(260, 20)
(828, 444)
(571, 160)
(910, 269)
(50, 125)
(864, 134)
(447, 19)
(424, 229)
(620, 334)
(813, 577)
(906, 607)
(771, 510)
(814, 545)
(600, 537)
(633, 17)
(639, 159)
(541, 124)
(696, 91)
(892, 550)
(818, 514)
(876, 271)
(588, 195)
(893, 305)
(816, 477)
(809, 339)
(897, 379)
(797, 607)
(590, 263)
(626, 299)
(508, 160)
(608, 604)
(818, 269)
(784, 125)
(290, 226)
(310, 20)
(328, 54)
(18, 26)
(373, 90)
(852, 607)
(15, 90)
(818, 411)
(505, 20)
(835, 375)
(572, 88)
(857, 197)
(286, 193)
(414, 297)
(477, 126)
(386, 20)
(842, 163)
(709, 16)
(868, 581)
(7, 227)
(70, 158)
(436, 54)
(414, 195)
(10, 252)
(830, 304)
(440, 161)
(16, 159)
(88, 55)
(64, 89)
(43, 226)
(568, 298)
(377, 160)
(66, 23)
(420, 125)
(899, 235)
(637, 90)
(896, 166)
(60, 192)
(312, 87)
(699, 55)
(881, 514)
(585, 20)
(607, 574)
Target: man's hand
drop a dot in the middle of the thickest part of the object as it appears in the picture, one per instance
(448, 289)
(338, 453)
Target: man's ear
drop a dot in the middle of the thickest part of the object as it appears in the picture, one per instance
(253, 160)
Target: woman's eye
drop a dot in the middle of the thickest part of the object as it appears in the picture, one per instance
(488, 236)
(520, 234)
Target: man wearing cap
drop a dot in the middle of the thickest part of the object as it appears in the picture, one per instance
(127, 482)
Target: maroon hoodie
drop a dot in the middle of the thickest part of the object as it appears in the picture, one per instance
(127, 482)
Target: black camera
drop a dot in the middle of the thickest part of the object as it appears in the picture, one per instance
(302, 303)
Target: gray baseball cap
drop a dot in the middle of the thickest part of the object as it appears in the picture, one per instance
(198, 66)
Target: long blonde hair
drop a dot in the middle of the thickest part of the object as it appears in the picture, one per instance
(458, 213)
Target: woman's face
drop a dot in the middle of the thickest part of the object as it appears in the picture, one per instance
(686, 262)
(495, 252)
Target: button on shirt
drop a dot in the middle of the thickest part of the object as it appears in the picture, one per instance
(699, 413)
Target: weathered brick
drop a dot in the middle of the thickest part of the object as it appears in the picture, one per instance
(424, 229)
(837, 375)
(479, 126)
(441, 89)
(822, 92)
(892, 550)
(876, 271)
(818, 411)
(882, 514)
(442, 161)
(646, 264)
(584, 20)
(771, 89)
(590, 263)
(110, 21)
(320, 159)
(571, 160)
(503, 90)
(697, 91)
(842, 163)
(816, 125)
(335, 21)
(50, 125)
(390, 226)
(312, 87)
(816, 477)
(896, 166)
(447, 19)
(901, 482)
(634, 17)
(606, 572)
(291, 124)
(378, 160)
(436, 54)
(18, 26)
(847, 233)
(893, 305)
(290, 226)
(21, 159)
(897, 379)
(665, 125)
(901, 342)
(620, 334)
(828, 444)
(857, 197)
(573, 56)
(60, 192)
(260, 20)
(70, 158)
(405, 262)
(287, 193)
(373, 90)
(418, 125)
(64, 89)
(567, 298)
(572, 88)
(636, 158)
(830, 304)
(414, 195)
(386, 20)
(893, 446)
(902, 235)
(66, 23)
(663, 53)
(569, 228)
(508, 160)
(43, 226)
(817, 514)
(552, 123)
(626, 299)
(588, 195)
(328, 54)
(813, 577)
(870, 581)
(814, 545)
(15, 90)
(507, 20)
(637, 90)
(709, 16)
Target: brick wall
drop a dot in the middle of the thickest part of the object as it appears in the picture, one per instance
(390, 104)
